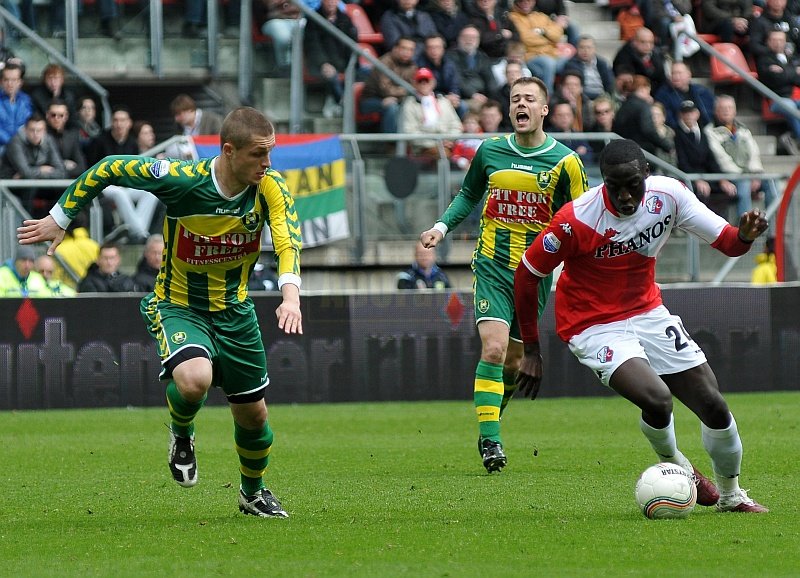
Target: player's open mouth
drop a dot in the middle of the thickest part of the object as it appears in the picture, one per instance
(522, 117)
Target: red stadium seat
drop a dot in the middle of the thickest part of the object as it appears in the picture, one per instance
(366, 32)
(721, 73)
(371, 119)
(767, 115)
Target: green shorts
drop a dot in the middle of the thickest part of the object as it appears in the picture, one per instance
(493, 287)
(231, 339)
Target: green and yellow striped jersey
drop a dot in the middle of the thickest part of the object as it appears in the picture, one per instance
(524, 187)
(212, 242)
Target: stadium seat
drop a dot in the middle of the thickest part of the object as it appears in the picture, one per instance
(369, 49)
(767, 115)
(565, 50)
(370, 119)
(366, 32)
(721, 73)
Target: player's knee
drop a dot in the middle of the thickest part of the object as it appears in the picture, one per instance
(193, 378)
(493, 351)
(659, 405)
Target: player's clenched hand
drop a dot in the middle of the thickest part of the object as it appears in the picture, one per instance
(529, 377)
(752, 224)
(41, 230)
(430, 238)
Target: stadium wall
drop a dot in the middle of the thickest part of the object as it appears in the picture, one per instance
(95, 352)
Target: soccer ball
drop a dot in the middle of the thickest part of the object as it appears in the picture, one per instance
(665, 491)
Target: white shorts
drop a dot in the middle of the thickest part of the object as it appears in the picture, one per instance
(656, 336)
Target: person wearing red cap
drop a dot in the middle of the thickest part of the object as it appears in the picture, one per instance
(427, 112)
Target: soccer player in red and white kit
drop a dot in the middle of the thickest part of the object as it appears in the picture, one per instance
(609, 309)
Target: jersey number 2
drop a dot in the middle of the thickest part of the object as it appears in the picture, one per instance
(678, 334)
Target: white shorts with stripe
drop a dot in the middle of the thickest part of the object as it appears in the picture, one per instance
(656, 336)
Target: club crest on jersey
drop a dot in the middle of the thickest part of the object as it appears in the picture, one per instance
(654, 205)
(483, 305)
(543, 179)
(605, 355)
(159, 168)
(551, 243)
(178, 337)
(250, 221)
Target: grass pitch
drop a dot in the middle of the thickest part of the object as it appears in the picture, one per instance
(393, 489)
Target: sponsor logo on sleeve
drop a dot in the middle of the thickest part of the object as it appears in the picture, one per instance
(551, 243)
(159, 168)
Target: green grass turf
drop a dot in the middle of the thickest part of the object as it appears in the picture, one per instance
(393, 489)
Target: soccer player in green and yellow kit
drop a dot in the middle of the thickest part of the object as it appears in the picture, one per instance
(199, 314)
(526, 177)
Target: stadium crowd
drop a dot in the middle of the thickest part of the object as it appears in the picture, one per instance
(461, 57)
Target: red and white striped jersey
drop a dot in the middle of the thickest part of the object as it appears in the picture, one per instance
(610, 259)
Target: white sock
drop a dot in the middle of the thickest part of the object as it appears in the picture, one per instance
(664, 443)
(725, 448)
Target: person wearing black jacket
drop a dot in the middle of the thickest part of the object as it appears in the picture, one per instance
(327, 57)
(103, 275)
(150, 263)
(424, 273)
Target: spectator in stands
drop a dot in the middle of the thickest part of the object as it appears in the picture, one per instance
(263, 278)
(144, 279)
(194, 19)
(52, 87)
(16, 106)
(490, 18)
(557, 12)
(623, 84)
(19, 279)
(33, 154)
(775, 16)
(67, 138)
(281, 19)
(736, 151)
(449, 19)
(570, 90)
(728, 19)
(695, 156)
(88, 128)
(779, 70)
(515, 52)
(514, 70)
(668, 19)
(667, 133)
(541, 36)
(424, 273)
(104, 275)
(191, 120)
(598, 77)
(491, 117)
(603, 115)
(474, 68)
(561, 118)
(427, 113)
(448, 82)
(404, 20)
(145, 136)
(642, 57)
(680, 88)
(117, 140)
(327, 57)
(381, 93)
(630, 20)
(45, 265)
(464, 148)
(766, 269)
(634, 120)
(78, 250)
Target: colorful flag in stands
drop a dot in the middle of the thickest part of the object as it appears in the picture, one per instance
(314, 168)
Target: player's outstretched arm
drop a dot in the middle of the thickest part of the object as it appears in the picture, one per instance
(752, 224)
(40, 231)
(290, 319)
